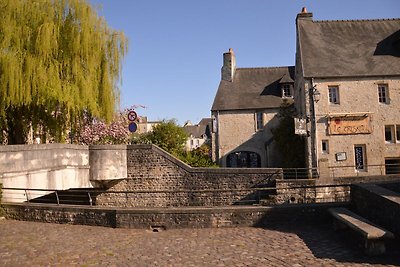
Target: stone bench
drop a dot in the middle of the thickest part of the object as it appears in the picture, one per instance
(373, 235)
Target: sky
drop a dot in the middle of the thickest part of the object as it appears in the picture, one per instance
(174, 60)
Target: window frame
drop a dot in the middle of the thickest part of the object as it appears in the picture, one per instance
(286, 87)
(383, 93)
(390, 129)
(333, 94)
(364, 158)
(259, 120)
(326, 144)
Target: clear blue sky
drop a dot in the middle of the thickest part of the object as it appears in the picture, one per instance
(175, 46)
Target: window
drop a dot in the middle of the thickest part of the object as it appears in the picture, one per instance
(392, 166)
(259, 122)
(383, 93)
(389, 134)
(286, 90)
(325, 147)
(392, 134)
(243, 159)
(398, 133)
(360, 158)
(333, 94)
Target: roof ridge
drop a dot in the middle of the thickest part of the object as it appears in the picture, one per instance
(355, 20)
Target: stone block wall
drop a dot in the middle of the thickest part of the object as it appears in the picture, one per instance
(153, 218)
(378, 204)
(61, 214)
(160, 180)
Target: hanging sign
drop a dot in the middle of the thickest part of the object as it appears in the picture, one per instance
(300, 126)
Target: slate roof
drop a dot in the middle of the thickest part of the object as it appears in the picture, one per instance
(253, 88)
(198, 130)
(349, 48)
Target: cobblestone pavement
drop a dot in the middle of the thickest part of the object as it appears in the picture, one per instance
(41, 244)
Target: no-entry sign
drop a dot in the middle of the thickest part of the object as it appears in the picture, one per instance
(132, 115)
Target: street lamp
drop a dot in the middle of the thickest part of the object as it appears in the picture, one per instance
(316, 95)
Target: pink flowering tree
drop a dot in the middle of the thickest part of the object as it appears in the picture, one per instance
(97, 132)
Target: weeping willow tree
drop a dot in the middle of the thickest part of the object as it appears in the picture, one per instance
(59, 63)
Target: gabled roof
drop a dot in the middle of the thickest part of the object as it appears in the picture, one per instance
(252, 88)
(198, 130)
(349, 48)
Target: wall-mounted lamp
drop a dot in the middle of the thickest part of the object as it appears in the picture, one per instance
(316, 95)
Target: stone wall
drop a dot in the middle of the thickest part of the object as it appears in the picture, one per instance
(315, 191)
(61, 214)
(160, 180)
(154, 218)
(378, 204)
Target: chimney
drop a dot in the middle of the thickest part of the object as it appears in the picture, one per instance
(229, 67)
(304, 14)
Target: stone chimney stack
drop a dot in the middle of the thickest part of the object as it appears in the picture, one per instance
(229, 67)
(304, 14)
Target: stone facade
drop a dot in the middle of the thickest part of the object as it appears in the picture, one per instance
(337, 90)
(237, 131)
(359, 97)
(245, 111)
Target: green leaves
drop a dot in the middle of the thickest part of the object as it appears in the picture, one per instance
(58, 54)
(290, 145)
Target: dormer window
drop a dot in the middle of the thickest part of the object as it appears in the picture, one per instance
(286, 90)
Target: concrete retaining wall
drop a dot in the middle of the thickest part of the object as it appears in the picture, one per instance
(50, 166)
(107, 162)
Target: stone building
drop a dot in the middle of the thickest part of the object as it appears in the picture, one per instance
(146, 126)
(348, 89)
(244, 112)
(199, 134)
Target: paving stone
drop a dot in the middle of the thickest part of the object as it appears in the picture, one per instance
(41, 244)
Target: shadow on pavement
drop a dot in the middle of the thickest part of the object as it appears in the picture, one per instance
(341, 246)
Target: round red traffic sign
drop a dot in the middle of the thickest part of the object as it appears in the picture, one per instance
(132, 115)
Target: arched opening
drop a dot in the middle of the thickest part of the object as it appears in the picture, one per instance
(243, 159)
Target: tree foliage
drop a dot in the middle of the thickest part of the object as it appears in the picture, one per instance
(200, 157)
(97, 132)
(172, 138)
(168, 135)
(58, 61)
(289, 144)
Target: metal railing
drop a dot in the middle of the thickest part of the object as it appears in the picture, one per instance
(300, 173)
(181, 198)
(365, 170)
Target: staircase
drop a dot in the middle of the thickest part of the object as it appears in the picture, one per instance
(79, 196)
